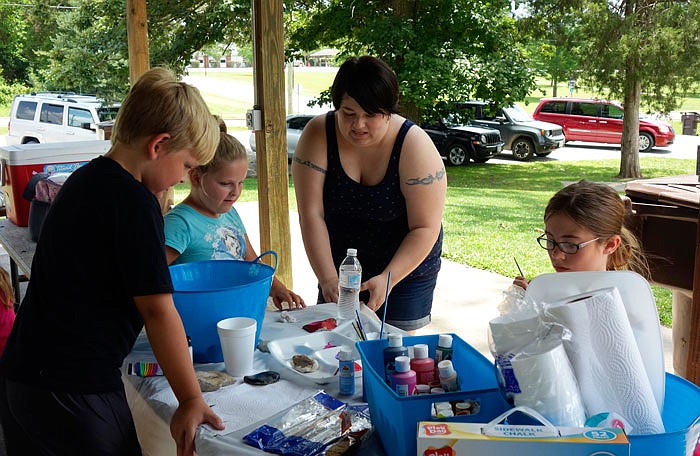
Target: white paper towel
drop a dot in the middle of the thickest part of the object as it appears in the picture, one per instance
(605, 357)
(240, 405)
(548, 384)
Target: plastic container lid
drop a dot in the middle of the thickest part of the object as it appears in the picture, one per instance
(420, 351)
(423, 389)
(446, 369)
(402, 364)
(352, 252)
(395, 340)
(345, 354)
(436, 390)
(445, 341)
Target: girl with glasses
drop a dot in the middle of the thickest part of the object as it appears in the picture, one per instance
(585, 230)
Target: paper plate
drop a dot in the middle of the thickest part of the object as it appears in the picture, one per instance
(639, 303)
(323, 346)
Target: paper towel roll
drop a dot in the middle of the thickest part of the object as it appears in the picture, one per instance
(548, 385)
(605, 358)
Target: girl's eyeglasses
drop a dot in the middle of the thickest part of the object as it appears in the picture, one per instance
(566, 247)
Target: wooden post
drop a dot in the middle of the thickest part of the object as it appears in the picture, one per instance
(271, 141)
(137, 35)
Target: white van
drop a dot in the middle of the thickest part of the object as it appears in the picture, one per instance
(55, 117)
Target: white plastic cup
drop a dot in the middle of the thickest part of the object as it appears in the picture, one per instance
(237, 337)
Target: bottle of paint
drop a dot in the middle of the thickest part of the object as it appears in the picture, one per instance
(444, 348)
(346, 372)
(394, 349)
(448, 376)
(423, 365)
(403, 379)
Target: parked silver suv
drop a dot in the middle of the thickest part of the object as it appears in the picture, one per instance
(54, 117)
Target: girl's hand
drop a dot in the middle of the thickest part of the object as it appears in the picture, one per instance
(281, 294)
(521, 282)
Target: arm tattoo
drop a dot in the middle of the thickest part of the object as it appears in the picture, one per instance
(429, 179)
(309, 164)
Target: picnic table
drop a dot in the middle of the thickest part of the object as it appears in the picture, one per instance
(20, 248)
(666, 221)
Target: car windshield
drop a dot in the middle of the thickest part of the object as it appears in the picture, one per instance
(518, 114)
(455, 120)
(107, 113)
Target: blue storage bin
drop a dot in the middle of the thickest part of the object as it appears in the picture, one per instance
(207, 292)
(396, 418)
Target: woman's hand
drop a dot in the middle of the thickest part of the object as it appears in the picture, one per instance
(281, 294)
(330, 290)
(521, 282)
(377, 290)
(188, 416)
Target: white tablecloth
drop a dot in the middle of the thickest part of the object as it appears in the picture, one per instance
(242, 406)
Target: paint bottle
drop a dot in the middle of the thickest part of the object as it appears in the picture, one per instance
(423, 365)
(394, 349)
(448, 376)
(403, 379)
(444, 348)
(346, 372)
(422, 389)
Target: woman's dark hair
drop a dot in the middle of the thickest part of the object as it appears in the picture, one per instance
(371, 82)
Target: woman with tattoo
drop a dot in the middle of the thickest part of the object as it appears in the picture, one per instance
(369, 179)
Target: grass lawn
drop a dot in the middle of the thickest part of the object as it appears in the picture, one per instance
(494, 212)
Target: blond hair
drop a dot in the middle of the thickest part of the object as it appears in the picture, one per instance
(601, 210)
(158, 103)
(7, 293)
(229, 150)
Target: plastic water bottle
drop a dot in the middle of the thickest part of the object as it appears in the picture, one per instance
(349, 279)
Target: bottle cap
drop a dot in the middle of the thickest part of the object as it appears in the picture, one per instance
(345, 354)
(402, 364)
(422, 389)
(436, 390)
(395, 340)
(352, 252)
(420, 351)
(445, 341)
(446, 369)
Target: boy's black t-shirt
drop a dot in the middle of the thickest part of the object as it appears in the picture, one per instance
(101, 244)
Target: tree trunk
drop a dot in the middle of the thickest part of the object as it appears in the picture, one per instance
(555, 83)
(629, 149)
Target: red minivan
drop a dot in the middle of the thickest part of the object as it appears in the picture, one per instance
(593, 120)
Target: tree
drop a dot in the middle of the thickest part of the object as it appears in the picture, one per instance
(441, 50)
(89, 53)
(643, 51)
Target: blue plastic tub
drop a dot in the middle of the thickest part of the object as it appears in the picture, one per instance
(395, 418)
(209, 291)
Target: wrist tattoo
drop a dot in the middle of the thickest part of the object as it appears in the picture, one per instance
(311, 165)
(429, 179)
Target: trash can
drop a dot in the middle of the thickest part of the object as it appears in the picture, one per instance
(690, 122)
(666, 222)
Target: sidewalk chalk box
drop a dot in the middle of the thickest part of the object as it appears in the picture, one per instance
(395, 418)
(461, 439)
(20, 162)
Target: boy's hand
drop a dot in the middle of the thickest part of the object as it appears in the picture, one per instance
(183, 425)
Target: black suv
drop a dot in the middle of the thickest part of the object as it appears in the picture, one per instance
(523, 135)
(459, 143)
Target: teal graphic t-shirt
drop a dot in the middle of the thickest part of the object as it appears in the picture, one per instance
(198, 237)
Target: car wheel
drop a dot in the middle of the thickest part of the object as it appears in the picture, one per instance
(523, 149)
(457, 154)
(31, 141)
(543, 154)
(646, 142)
